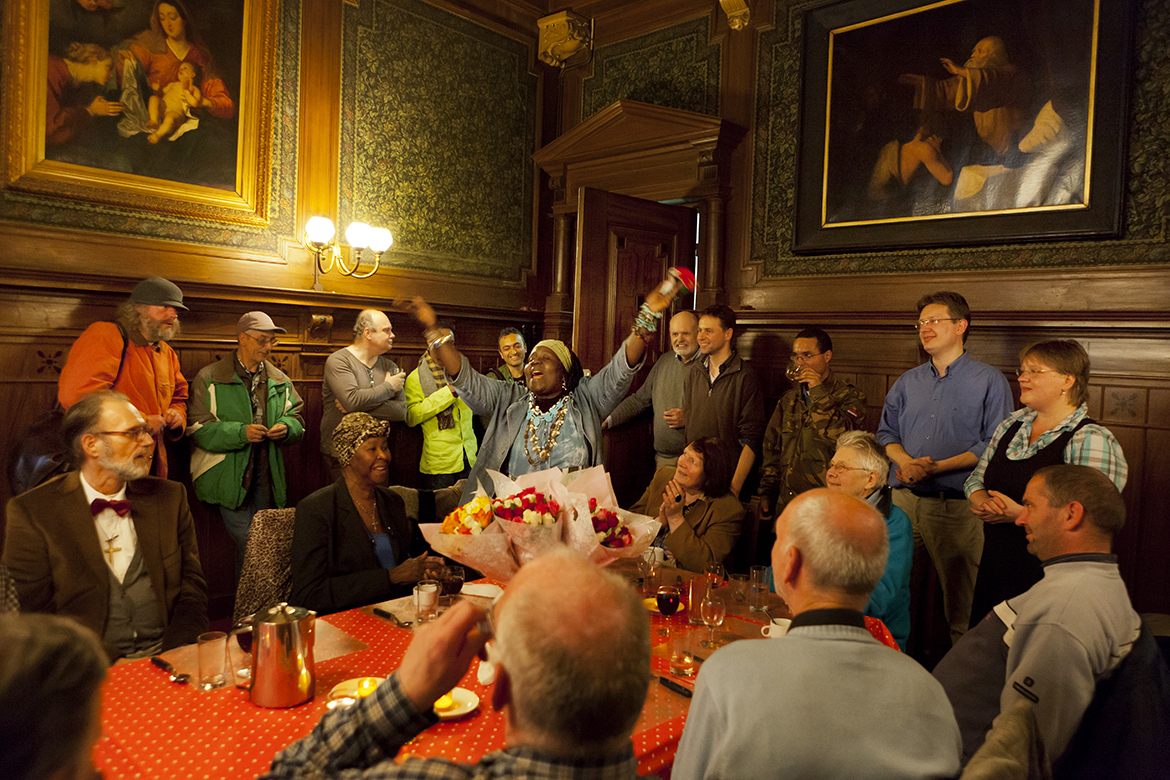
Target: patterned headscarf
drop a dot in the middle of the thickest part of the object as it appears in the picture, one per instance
(560, 350)
(354, 429)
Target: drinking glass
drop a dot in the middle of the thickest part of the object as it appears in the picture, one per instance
(713, 610)
(668, 601)
(739, 587)
(213, 660)
(716, 573)
(758, 589)
(426, 600)
(452, 583)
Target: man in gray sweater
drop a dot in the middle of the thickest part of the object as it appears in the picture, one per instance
(836, 702)
(663, 389)
(1051, 644)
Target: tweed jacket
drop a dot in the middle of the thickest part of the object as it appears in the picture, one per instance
(53, 553)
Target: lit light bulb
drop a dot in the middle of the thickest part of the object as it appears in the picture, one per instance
(358, 235)
(380, 239)
(320, 230)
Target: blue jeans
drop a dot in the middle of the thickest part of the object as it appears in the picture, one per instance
(238, 522)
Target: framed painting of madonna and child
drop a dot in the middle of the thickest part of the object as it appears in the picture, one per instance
(164, 105)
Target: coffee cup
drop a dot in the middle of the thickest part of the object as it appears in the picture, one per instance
(778, 627)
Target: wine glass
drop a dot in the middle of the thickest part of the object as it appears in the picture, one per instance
(715, 573)
(452, 583)
(668, 602)
(713, 611)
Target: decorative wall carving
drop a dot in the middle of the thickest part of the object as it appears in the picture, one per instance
(438, 125)
(676, 67)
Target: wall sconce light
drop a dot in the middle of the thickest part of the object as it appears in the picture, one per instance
(566, 39)
(319, 233)
(737, 13)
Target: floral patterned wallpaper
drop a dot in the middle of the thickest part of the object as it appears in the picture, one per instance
(1147, 187)
(438, 127)
(675, 67)
(22, 207)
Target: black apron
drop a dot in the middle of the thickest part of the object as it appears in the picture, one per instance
(1006, 568)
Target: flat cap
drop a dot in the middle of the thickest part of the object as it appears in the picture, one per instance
(157, 291)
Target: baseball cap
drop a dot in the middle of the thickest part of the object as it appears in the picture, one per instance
(157, 291)
(257, 320)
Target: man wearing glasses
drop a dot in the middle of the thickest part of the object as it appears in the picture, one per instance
(936, 422)
(804, 428)
(108, 545)
(243, 410)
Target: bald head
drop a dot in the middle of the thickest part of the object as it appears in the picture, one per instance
(566, 625)
(839, 545)
(684, 332)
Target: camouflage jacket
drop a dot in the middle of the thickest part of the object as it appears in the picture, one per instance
(801, 437)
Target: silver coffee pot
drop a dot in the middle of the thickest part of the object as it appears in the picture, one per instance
(282, 655)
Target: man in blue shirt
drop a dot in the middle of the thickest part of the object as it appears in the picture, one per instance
(936, 422)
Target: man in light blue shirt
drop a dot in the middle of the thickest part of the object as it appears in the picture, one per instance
(936, 422)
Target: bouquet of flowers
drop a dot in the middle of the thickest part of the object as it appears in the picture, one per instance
(528, 506)
(599, 529)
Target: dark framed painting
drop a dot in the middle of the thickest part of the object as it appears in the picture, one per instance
(961, 122)
(161, 105)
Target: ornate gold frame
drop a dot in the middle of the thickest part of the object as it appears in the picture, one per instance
(24, 69)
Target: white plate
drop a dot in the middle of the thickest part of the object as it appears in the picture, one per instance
(465, 702)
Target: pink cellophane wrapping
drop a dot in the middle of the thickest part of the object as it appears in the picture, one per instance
(532, 541)
(490, 552)
(595, 483)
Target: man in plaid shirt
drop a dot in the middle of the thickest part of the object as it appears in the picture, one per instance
(572, 647)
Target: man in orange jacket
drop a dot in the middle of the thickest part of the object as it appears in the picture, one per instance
(131, 355)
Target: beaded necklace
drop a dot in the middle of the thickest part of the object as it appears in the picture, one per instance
(534, 414)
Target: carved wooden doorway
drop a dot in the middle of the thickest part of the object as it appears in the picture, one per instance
(624, 246)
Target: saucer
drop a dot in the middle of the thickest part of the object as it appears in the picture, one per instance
(356, 688)
(465, 702)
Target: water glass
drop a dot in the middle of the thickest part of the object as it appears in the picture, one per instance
(739, 588)
(696, 591)
(682, 664)
(426, 600)
(213, 660)
(758, 589)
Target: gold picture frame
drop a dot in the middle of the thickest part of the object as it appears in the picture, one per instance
(25, 71)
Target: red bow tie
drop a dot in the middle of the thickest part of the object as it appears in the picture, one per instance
(98, 505)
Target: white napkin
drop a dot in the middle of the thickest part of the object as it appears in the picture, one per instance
(484, 589)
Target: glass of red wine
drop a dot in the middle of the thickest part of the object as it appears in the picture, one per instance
(669, 597)
(452, 583)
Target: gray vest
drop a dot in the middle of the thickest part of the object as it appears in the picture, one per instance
(135, 622)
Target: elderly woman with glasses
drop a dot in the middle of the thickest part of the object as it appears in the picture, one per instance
(352, 541)
(553, 418)
(701, 518)
(1052, 428)
(858, 469)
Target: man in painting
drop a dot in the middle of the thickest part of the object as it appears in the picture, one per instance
(988, 86)
(72, 100)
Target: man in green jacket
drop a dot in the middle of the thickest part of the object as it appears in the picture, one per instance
(243, 409)
(449, 444)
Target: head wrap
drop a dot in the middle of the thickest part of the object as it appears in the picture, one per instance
(560, 350)
(354, 429)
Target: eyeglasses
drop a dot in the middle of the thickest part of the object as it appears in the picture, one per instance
(932, 323)
(1030, 372)
(800, 356)
(267, 341)
(835, 466)
(132, 434)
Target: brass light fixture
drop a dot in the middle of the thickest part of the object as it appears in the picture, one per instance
(566, 39)
(737, 12)
(319, 234)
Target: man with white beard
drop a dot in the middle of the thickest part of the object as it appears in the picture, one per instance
(988, 86)
(108, 545)
(663, 389)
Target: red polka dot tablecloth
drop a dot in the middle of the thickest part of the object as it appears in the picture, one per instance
(153, 728)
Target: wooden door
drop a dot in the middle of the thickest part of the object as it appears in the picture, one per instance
(624, 246)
